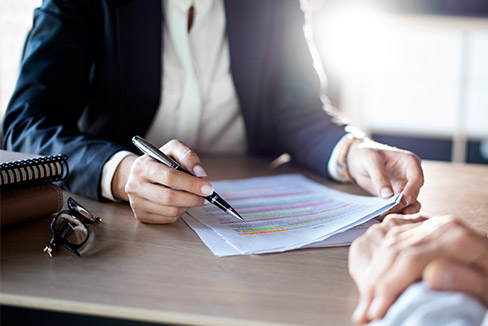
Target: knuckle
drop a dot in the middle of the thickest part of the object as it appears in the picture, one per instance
(395, 232)
(200, 201)
(449, 225)
(172, 144)
(172, 213)
(452, 222)
(167, 176)
(357, 244)
(187, 153)
(416, 158)
(196, 201)
(391, 245)
(392, 220)
(388, 218)
(138, 165)
(168, 197)
(418, 182)
(411, 157)
(130, 187)
(421, 178)
(460, 236)
(408, 257)
(374, 231)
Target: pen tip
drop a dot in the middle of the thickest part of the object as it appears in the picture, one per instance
(235, 214)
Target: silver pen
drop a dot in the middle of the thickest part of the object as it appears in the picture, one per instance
(155, 153)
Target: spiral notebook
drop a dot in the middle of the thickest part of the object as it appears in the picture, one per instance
(26, 187)
(20, 169)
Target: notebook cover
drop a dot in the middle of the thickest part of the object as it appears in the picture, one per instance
(25, 204)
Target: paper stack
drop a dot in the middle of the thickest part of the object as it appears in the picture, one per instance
(283, 213)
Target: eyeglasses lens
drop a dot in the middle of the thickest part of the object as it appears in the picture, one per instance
(70, 229)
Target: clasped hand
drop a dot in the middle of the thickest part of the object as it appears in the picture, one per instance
(442, 251)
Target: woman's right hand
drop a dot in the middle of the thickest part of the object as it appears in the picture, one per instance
(156, 193)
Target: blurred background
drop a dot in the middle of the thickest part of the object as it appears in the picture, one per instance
(412, 73)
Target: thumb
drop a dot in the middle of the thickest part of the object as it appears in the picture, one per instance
(445, 275)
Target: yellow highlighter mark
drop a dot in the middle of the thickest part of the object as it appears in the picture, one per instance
(264, 232)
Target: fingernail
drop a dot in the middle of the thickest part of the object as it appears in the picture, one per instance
(386, 192)
(199, 171)
(358, 314)
(375, 308)
(406, 200)
(207, 190)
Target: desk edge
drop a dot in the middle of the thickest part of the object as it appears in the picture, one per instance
(128, 313)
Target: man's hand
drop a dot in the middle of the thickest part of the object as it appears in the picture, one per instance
(384, 171)
(443, 251)
(157, 193)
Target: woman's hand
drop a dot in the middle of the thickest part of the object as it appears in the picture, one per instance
(157, 193)
(384, 171)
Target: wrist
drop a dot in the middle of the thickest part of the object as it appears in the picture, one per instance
(344, 157)
(121, 176)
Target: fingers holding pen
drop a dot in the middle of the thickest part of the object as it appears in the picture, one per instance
(156, 173)
(147, 211)
(178, 177)
(185, 156)
(160, 194)
(168, 196)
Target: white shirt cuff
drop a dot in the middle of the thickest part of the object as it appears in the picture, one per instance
(419, 305)
(332, 165)
(109, 171)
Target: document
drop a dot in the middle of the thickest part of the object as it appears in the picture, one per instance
(282, 213)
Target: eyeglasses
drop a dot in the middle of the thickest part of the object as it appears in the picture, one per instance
(69, 228)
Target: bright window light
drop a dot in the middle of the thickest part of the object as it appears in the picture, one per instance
(406, 75)
(353, 36)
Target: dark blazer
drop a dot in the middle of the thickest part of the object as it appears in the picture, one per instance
(91, 79)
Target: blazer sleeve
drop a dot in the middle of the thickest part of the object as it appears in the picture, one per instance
(53, 89)
(303, 123)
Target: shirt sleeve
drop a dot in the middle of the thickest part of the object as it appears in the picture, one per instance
(419, 305)
(108, 172)
(485, 321)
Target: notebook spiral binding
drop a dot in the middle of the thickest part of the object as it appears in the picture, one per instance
(35, 170)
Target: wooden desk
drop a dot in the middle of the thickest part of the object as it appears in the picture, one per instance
(164, 273)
